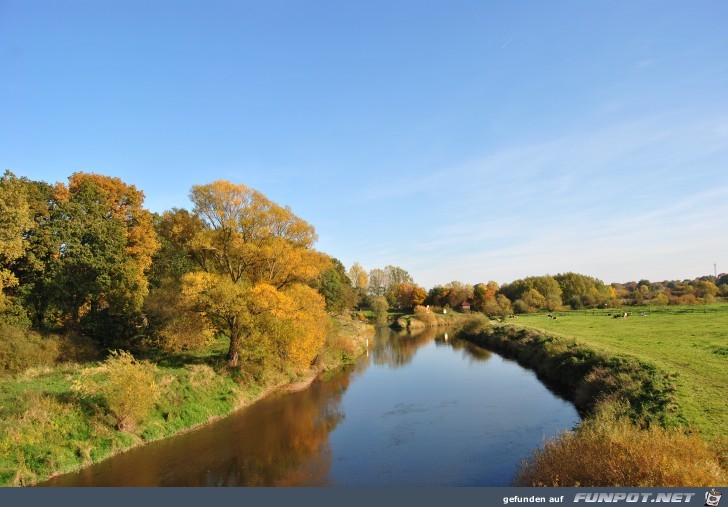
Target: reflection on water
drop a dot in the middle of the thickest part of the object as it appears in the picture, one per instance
(419, 410)
(398, 348)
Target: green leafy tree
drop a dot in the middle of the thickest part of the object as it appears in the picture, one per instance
(380, 307)
(438, 296)
(105, 243)
(335, 286)
(534, 299)
(546, 286)
(581, 290)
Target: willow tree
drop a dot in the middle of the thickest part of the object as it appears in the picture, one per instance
(252, 258)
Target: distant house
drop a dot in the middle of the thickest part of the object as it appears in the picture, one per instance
(465, 307)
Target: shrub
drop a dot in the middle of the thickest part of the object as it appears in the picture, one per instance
(424, 315)
(126, 387)
(475, 324)
(21, 349)
(75, 348)
(519, 306)
(380, 307)
(608, 450)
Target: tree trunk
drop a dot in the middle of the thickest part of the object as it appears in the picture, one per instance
(233, 354)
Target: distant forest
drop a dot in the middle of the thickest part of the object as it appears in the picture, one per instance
(567, 291)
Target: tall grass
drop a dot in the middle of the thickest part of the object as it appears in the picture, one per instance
(609, 450)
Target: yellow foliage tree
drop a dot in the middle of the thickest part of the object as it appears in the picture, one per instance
(292, 323)
(253, 257)
(14, 221)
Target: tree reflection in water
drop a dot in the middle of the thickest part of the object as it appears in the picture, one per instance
(397, 348)
(286, 439)
(280, 440)
(470, 351)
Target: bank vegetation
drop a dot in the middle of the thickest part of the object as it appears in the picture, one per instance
(634, 432)
(119, 326)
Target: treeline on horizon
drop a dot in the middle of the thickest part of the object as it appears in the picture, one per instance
(561, 292)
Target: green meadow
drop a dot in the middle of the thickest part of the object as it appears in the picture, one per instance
(690, 343)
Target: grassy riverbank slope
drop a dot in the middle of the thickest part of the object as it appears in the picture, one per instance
(47, 427)
(688, 343)
(640, 386)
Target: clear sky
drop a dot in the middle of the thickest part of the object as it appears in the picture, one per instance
(461, 140)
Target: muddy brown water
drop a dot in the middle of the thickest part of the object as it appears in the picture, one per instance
(418, 410)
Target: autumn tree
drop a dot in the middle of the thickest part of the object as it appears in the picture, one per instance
(706, 289)
(86, 248)
(105, 245)
(253, 258)
(406, 295)
(15, 220)
(484, 293)
(291, 324)
(458, 293)
(359, 277)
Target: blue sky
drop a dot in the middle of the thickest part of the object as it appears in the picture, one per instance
(461, 140)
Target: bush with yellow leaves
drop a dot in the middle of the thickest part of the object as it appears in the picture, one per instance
(125, 386)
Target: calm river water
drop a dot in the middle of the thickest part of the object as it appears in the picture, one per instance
(418, 410)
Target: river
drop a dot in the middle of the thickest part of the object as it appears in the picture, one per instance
(418, 410)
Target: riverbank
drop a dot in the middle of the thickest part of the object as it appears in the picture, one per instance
(629, 406)
(585, 376)
(429, 319)
(47, 428)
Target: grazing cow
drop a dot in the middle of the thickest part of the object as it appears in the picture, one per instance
(550, 316)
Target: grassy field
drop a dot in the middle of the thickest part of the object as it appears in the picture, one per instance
(689, 342)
